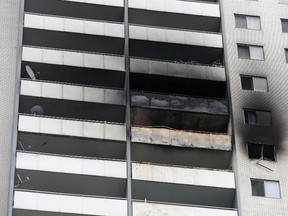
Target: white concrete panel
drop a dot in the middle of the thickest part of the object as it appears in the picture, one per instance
(71, 92)
(182, 7)
(50, 90)
(74, 25)
(62, 203)
(94, 94)
(73, 59)
(72, 165)
(156, 209)
(100, 61)
(181, 175)
(114, 97)
(117, 3)
(31, 88)
(71, 128)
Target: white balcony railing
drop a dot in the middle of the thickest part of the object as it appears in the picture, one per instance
(181, 138)
(57, 126)
(69, 58)
(69, 204)
(70, 165)
(181, 175)
(156, 209)
(72, 92)
(181, 7)
(74, 25)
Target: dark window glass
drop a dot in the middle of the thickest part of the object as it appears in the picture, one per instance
(257, 188)
(284, 25)
(246, 83)
(257, 117)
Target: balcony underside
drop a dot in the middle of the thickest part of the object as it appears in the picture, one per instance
(71, 146)
(174, 52)
(171, 155)
(72, 184)
(73, 41)
(74, 109)
(184, 194)
(179, 120)
(74, 9)
(173, 20)
(75, 75)
(24, 212)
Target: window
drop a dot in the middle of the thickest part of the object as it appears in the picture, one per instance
(284, 23)
(265, 188)
(257, 117)
(254, 83)
(247, 22)
(250, 52)
(286, 55)
(261, 151)
(283, 1)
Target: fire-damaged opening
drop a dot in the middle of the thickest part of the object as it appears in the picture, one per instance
(261, 151)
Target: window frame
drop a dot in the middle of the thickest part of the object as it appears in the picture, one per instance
(264, 190)
(262, 151)
(239, 45)
(247, 22)
(282, 21)
(246, 110)
(242, 76)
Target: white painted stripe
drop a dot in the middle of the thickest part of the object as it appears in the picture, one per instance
(72, 165)
(187, 176)
(71, 92)
(71, 128)
(182, 7)
(69, 58)
(156, 209)
(69, 204)
(175, 36)
(74, 25)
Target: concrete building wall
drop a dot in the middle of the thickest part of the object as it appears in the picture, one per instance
(275, 68)
(9, 16)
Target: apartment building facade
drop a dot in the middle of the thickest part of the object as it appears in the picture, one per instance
(143, 108)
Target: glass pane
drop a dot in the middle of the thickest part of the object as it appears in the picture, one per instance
(269, 152)
(240, 21)
(254, 151)
(246, 83)
(283, 1)
(256, 52)
(243, 52)
(260, 84)
(257, 187)
(272, 189)
(264, 118)
(250, 117)
(286, 53)
(253, 22)
(284, 25)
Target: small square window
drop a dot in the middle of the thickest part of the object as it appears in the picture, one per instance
(261, 151)
(286, 55)
(250, 52)
(257, 117)
(254, 83)
(247, 22)
(284, 23)
(265, 188)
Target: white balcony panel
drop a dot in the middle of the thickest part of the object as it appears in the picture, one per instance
(180, 138)
(155, 209)
(71, 128)
(69, 204)
(187, 176)
(78, 59)
(74, 25)
(117, 3)
(181, 7)
(175, 36)
(177, 69)
(72, 165)
(70, 92)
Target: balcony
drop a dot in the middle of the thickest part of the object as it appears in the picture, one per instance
(175, 36)
(183, 185)
(71, 58)
(169, 137)
(56, 126)
(178, 69)
(159, 209)
(41, 204)
(72, 92)
(179, 103)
